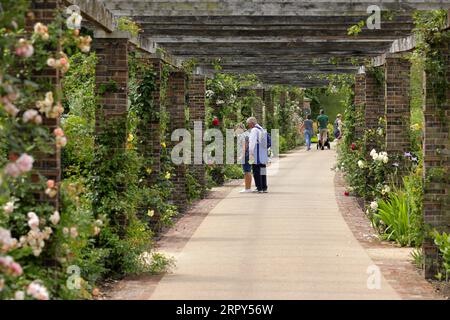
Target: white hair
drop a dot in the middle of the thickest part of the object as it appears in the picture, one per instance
(252, 120)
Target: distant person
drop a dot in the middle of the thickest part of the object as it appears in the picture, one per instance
(322, 120)
(258, 153)
(308, 129)
(243, 143)
(338, 127)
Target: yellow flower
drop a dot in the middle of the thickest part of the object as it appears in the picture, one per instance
(415, 127)
(163, 144)
(167, 175)
(149, 170)
(130, 137)
(150, 213)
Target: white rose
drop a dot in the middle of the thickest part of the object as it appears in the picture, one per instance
(55, 217)
(8, 208)
(374, 205)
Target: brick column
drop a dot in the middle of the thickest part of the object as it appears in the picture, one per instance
(148, 133)
(360, 101)
(374, 105)
(175, 107)
(46, 164)
(196, 93)
(436, 206)
(112, 81)
(398, 112)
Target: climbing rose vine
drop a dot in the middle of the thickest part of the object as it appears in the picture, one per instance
(26, 225)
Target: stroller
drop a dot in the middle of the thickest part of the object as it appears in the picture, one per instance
(326, 143)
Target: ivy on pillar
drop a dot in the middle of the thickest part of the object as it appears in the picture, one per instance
(374, 106)
(111, 75)
(176, 104)
(197, 118)
(148, 80)
(436, 206)
(111, 116)
(397, 104)
(359, 101)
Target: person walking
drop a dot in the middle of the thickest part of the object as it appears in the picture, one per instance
(322, 120)
(244, 155)
(258, 154)
(338, 127)
(308, 130)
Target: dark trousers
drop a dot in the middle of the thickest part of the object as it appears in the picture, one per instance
(259, 174)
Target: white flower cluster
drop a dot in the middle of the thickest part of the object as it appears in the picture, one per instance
(386, 189)
(48, 107)
(374, 205)
(209, 94)
(382, 156)
(37, 291)
(8, 207)
(35, 238)
(361, 164)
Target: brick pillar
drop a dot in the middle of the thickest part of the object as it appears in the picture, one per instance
(175, 107)
(196, 90)
(112, 80)
(46, 164)
(269, 112)
(154, 134)
(398, 114)
(360, 101)
(258, 108)
(374, 105)
(436, 206)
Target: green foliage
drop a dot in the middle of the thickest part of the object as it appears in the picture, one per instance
(443, 243)
(233, 171)
(356, 29)
(193, 189)
(430, 35)
(127, 24)
(394, 219)
(417, 256)
(161, 264)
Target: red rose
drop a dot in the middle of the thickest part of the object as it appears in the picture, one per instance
(353, 146)
(346, 193)
(215, 121)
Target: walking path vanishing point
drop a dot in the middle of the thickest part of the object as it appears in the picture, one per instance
(291, 243)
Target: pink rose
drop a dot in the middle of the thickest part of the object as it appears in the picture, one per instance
(50, 183)
(58, 132)
(12, 170)
(24, 49)
(16, 269)
(29, 115)
(25, 162)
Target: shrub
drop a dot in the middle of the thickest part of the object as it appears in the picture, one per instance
(393, 219)
(443, 243)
